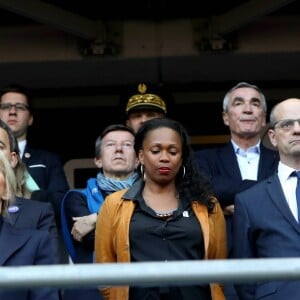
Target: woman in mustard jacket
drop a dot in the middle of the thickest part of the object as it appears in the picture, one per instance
(169, 214)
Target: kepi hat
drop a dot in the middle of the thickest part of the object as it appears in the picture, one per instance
(145, 101)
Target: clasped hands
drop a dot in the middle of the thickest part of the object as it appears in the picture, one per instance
(83, 225)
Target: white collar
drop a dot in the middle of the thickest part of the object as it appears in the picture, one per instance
(22, 145)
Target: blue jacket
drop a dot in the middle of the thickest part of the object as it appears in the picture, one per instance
(264, 226)
(21, 247)
(31, 214)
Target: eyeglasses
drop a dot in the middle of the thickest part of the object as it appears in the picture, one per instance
(286, 124)
(17, 106)
(112, 144)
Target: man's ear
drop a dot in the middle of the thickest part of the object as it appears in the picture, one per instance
(225, 118)
(14, 159)
(98, 162)
(30, 121)
(272, 137)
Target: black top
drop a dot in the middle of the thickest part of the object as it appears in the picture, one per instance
(157, 238)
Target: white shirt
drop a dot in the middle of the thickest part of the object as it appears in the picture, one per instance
(22, 145)
(248, 161)
(288, 184)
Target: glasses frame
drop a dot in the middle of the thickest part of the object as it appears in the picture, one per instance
(18, 106)
(286, 124)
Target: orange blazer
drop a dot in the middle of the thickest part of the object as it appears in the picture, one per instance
(112, 238)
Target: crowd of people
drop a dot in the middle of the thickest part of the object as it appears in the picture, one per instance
(238, 200)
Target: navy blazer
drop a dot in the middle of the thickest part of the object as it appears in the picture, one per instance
(221, 165)
(75, 205)
(264, 226)
(46, 169)
(31, 214)
(20, 247)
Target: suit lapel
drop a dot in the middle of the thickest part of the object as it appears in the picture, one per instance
(11, 240)
(277, 196)
(13, 215)
(229, 161)
(267, 162)
(26, 158)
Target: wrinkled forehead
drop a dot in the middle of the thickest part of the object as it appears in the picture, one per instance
(245, 93)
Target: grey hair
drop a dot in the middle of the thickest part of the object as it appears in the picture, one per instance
(244, 85)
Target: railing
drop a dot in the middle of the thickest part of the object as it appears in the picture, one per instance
(151, 273)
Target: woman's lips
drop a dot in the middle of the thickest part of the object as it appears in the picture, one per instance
(164, 171)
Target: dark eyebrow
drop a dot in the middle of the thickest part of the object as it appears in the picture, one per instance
(242, 98)
(255, 99)
(237, 98)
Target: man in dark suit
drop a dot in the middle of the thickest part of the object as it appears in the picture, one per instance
(45, 168)
(266, 219)
(244, 161)
(48, 182)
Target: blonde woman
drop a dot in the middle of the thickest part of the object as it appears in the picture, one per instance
(20, 247)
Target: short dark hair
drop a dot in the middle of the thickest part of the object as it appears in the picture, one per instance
(20, 89)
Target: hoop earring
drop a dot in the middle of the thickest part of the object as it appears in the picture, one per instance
(143, 172)
(183, 172)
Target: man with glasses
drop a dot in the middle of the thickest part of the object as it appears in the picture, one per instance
(244, 161)
(266, 220)
(47, 179)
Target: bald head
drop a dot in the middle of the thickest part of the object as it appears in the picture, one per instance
(284, 133)
(288, 108)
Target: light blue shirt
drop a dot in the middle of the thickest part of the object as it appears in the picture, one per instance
(248, 160)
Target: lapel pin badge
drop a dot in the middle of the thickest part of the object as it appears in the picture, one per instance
(185, 214)
(13, 209)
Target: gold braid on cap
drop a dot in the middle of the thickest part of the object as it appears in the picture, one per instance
(144, 99)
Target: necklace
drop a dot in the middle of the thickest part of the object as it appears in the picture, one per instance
(161, 214)
(164, 214)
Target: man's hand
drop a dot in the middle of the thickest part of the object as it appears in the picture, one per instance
(228, 210)
(83, 225)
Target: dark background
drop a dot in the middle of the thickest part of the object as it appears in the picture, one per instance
(80, 59)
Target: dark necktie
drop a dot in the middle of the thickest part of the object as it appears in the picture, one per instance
(297, 174)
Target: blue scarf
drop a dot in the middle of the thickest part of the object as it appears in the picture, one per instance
(95, 187)
(94, 197)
